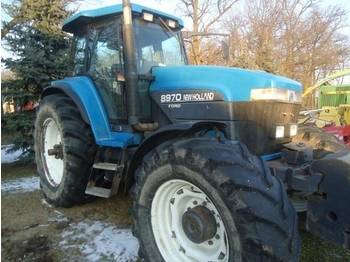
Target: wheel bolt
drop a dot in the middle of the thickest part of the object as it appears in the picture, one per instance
(182, 250)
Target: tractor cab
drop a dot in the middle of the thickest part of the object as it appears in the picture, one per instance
(99, 51)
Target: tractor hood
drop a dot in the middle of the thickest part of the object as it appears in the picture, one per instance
(233, 84)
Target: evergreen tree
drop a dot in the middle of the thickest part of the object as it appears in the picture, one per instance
(40, 53)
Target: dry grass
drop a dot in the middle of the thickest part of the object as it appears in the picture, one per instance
(15, 170)
(315, 249)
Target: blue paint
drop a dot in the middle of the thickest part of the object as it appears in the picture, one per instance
(90, 98)
(233, 84)
(83, 18)
(272, 156)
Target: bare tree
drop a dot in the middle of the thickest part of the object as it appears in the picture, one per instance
(295, 38)
(206, 16)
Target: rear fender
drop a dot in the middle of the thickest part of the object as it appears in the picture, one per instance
(83, 92)
(70, 92)
(328, 214)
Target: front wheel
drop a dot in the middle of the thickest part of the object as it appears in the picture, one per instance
(201, 199)
(196, 224)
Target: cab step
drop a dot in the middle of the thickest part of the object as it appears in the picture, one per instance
(98, 191)
(91, 189)
(106, 166)
(110, 172)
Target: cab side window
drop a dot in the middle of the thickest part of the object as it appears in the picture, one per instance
(79, 56)
(105, 62)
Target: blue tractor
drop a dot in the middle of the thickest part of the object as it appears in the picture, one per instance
(212, 156)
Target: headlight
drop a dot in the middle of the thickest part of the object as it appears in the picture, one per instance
(277, 131)
(273, 93)
(291, 130)
(283, 131)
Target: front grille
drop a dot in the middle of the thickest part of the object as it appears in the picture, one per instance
(266, 113)
(252, 122)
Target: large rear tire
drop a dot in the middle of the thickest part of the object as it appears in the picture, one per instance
(64, 151)
(202, 199)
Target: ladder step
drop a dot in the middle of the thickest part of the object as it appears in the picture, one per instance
(106, 166)
(98, 191)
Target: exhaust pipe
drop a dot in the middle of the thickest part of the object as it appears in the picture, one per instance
(131, 74)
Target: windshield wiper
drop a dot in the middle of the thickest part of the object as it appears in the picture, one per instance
(171, 31)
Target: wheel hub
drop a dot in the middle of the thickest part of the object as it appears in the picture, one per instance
(56, 151)
(199, 224)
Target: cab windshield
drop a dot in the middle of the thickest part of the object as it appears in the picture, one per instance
(157, 45)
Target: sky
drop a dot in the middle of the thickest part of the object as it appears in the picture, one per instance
(164, 5)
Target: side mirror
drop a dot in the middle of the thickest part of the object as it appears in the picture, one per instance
(224, 45)
(225, 50)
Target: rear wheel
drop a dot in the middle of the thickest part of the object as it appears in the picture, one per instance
(201, 199)
(64, 151)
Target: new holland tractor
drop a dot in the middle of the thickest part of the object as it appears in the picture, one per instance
(212, 156)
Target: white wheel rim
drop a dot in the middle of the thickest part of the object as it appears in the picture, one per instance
(53, 166)
(172, 199)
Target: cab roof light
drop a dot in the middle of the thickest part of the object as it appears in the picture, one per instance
(171, 23)
(147, 17)
(291, 130)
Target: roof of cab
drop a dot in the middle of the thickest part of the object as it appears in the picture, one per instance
(83, 18)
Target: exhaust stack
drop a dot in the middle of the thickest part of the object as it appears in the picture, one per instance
(131, 74)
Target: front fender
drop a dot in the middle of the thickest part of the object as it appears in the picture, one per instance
(177, 130)
(166, 133)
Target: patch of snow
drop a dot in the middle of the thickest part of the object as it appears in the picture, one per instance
(21, 185)
(43, 201)
(97, 241)
(11, 157)
(101, 240)
(59, 217)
